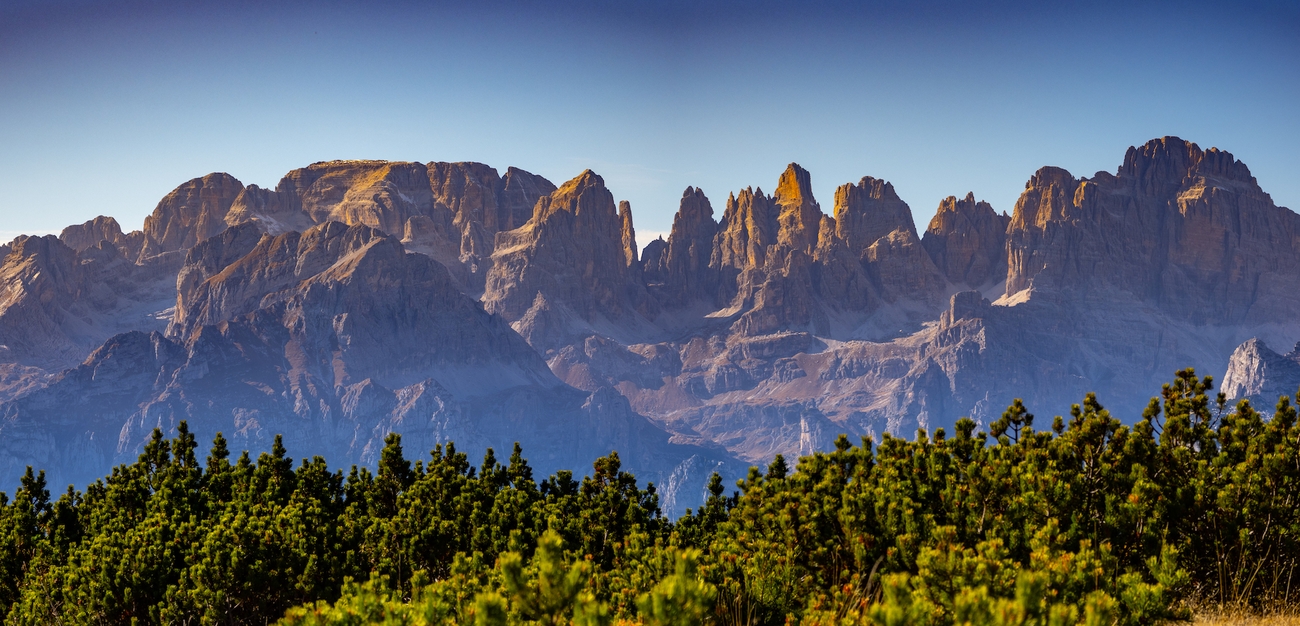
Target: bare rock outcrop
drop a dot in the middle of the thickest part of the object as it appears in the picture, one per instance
(448, 211)
(749, 226)
(867, 211)
(352, 338)
(783, 265)
(798, 214)
(967, 240)
(876, 226)
(191, 213)
(103, 228)
(682, 274)
(1186, 229)
(57, 304)
(519, 193)
(629, 233)
(839, 274)
(1257, 373)
(571, 251)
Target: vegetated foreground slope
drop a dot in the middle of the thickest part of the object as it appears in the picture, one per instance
(449, 301)
(1086, 521)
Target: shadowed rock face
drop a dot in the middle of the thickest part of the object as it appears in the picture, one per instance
(57, 304)
(682, 274)
(82, 236)
(350, 338)
(1186, 229)
(968, 242)
(446, 301)
(748, 227)
(867, 211)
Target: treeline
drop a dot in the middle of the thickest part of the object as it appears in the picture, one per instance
(1087, 521)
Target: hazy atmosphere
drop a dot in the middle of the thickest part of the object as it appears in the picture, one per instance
(318, 313)
(105, 107)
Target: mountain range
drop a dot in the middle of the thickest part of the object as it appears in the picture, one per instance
(449, 302)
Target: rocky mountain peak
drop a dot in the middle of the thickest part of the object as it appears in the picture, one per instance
(468, 191)
(683, 271)
(629, 232)
(1048, 196)
(868, 211)
(967, 241)
(1165, 160)
(749, 226)
(572, 251)
(1161, 166)
(1257, 373)
(192, 212)
(1171, 229)
(799, 215)
(240, 270)
(82, 236)
(520, 191)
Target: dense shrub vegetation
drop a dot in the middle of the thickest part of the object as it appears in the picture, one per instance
(1090, 521)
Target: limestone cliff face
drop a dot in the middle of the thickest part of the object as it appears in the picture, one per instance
(571, 251)
(83, 235)
(57, 303)
(1186, 229)
(448, 211)
(333, 337)
(378, 194)
(629, 233)
(839, 274)
(876, 226)
(771, 242)
(1259, 374)
(190, 213)
(682, 274)
(464, 214)
(466, 191)
(903, 270)
(867, 211)
(519, 193)
(275, 211)
(798, 214)
(343, 291)
(783, 265)
(103, 228)
(967, 241)
(342, 305)
(749, 226)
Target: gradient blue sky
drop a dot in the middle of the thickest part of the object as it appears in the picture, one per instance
(106, 106)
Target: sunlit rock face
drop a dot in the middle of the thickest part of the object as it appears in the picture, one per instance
(1257, 373)
(682, 274)
(448, 301)
(566, 269)
(190, 213)
(447, 211)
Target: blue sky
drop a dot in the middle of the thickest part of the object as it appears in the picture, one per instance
(106, 106)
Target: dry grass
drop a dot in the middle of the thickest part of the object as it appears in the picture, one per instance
(1287, 617)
